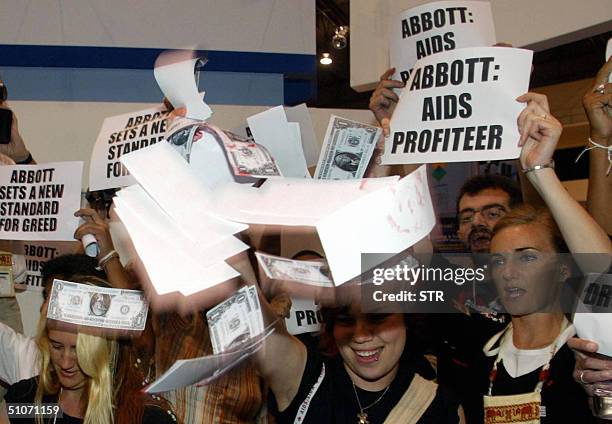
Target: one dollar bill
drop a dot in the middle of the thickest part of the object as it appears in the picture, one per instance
(94, 306)
(314, 273)
(235, 320)
(347, 149)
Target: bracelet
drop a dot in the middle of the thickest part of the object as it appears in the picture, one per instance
(106, 259)
(598, 146)
(550, 164)
(26, 161)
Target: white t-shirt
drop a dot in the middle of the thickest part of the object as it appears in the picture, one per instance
(18, 356)
(519, 362)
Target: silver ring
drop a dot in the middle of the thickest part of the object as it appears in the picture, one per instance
(601, 89)
(581, 377)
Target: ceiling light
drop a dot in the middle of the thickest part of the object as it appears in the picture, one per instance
(325, 59)
(339, 39)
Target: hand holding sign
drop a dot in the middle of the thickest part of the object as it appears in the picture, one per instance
(384, 99)
(460, 106)
(539, 131)
(598, 105)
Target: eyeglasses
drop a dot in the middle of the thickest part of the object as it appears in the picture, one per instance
(489, 212)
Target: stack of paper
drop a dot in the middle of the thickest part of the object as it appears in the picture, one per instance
(181, 244)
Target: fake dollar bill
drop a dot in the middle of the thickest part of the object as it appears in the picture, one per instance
(246, 158)
(235, 320)
(307, 272)
(347, 149)
(95, 306)
(206, 369)
(180, 135)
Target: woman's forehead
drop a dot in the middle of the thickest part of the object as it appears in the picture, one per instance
(64, 337)
(521, 237)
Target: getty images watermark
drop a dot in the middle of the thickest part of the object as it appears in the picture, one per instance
(489, 284)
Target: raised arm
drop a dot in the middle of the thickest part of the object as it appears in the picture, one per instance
(540, 133)
(282, 359)
(597, 104)
(108, 260)
(384, 99)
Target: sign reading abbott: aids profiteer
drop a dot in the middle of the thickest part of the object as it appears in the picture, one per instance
(460, 106)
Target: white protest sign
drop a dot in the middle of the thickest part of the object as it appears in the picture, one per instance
(436, 27)
(460, 106)
(120, 135)
(38, 202)
(303, 316)
(37, 253)
(593, 316)
(386, 221)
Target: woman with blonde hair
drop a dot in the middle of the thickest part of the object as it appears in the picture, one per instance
(94, 379)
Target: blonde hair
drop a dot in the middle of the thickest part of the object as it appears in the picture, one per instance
(96, 358)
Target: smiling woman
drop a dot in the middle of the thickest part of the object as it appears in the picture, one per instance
(366, 372)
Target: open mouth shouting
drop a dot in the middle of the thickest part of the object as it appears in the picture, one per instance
(480, 238)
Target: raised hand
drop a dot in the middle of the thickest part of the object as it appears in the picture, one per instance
(383, 99)
(539, 131)
(597, 104)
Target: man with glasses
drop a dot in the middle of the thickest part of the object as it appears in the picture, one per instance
(484, 200)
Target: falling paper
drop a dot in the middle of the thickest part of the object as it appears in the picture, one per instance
(204, 370)
(301, 115)
(386, 221)
(264, 206)
(272, 130)
(174, 73)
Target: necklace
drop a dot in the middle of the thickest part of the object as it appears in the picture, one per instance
(362, 417)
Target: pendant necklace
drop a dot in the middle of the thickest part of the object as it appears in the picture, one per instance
(362, 416)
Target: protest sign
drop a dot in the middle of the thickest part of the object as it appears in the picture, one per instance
(120, 135)
(38, 202)
(593, 315)
(437, 27)
(460, 106)
(37, 253)
(304, 316)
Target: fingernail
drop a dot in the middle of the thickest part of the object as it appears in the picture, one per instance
(591, 346)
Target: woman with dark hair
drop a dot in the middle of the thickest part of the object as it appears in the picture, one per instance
(368, 374)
